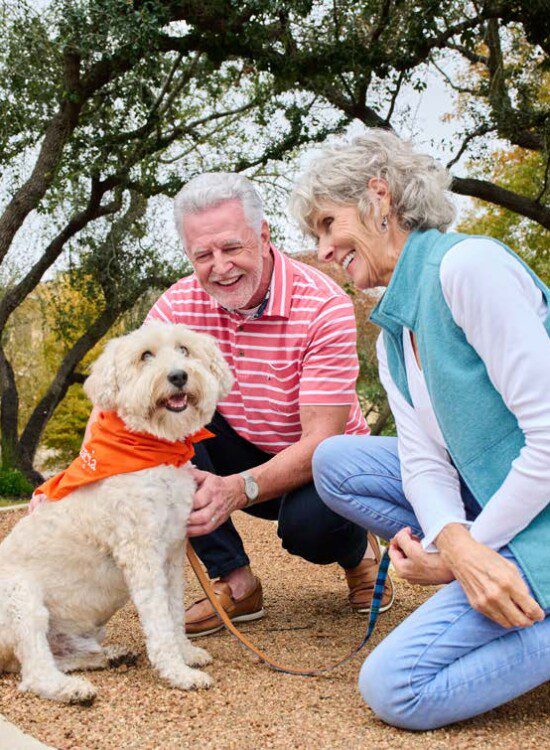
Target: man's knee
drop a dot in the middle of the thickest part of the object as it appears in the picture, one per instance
(308, 528)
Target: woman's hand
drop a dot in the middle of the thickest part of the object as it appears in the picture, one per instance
(492, 583)
(414, 564)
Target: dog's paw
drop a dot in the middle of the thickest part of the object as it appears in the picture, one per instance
(195, 656)
(189, 679)
(68, 690)
(77, 690)
(118, 656)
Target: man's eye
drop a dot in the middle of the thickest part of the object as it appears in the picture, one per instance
(327, 221)
(183, 349)
(232, 249)
(202, 257)
(146, 355)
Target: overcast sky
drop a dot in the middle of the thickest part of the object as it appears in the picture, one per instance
(419, 114)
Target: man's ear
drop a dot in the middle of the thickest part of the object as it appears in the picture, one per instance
(101, 386)
(265, 237)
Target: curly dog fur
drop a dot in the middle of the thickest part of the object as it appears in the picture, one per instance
(70, 565)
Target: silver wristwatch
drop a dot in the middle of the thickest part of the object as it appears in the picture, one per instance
(251, 489)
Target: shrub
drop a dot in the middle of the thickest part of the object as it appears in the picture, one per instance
(14, 484)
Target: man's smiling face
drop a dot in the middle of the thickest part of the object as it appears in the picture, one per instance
(228, 256)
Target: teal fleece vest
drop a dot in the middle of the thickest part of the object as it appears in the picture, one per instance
(482, 435)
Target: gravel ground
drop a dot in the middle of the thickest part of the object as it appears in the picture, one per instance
(251, 707)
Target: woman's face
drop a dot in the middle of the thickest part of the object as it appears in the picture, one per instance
(363, 250)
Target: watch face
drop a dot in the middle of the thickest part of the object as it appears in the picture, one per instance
(251, 488)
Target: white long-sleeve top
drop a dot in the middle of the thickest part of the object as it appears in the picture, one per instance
(501, 311)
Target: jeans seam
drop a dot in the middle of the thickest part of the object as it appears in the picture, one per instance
(367, 474)
(425, 690)
(540, 650)
(375, 513)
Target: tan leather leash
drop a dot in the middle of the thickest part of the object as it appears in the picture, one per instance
(214, 601)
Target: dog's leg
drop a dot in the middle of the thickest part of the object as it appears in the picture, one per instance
(39, 673)
(193, 655)
(75, 652)
(147, 583)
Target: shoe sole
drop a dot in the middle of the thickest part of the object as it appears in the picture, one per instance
(240, 618)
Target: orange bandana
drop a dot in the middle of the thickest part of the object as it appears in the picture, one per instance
(113, 449)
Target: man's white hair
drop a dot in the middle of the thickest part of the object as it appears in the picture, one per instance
(417, 183)
(213, 188)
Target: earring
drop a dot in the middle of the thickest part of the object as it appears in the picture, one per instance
(384, 224)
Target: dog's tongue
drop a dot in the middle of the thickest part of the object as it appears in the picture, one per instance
(176, 402)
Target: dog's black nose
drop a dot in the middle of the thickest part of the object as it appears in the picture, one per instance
(177, 378)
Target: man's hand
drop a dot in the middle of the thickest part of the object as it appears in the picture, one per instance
(215, 499)
(414, 564)
(492, 583)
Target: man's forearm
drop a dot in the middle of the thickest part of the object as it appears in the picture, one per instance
(287, 470)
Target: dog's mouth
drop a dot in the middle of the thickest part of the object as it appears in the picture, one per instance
(177, 402)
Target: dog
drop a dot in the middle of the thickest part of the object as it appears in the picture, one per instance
(67, 567)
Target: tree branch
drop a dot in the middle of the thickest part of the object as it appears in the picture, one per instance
(500, 196)
(482, 130)
(94, 210)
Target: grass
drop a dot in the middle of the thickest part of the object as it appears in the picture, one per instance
(7, 501)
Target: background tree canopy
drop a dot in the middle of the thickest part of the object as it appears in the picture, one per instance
(108, 104)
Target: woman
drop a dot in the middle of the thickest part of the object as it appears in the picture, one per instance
(463, 491)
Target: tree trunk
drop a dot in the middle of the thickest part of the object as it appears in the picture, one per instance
(30, 437)
(385, 413)
(9, 410)
(32, 191)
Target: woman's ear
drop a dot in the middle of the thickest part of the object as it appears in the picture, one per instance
(379, 193)
(101, 386)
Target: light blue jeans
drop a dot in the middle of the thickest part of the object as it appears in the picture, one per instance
(445, 662)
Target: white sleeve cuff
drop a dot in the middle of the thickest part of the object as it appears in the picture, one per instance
(428, 541)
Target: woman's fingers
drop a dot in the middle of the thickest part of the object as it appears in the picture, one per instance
(528, 605)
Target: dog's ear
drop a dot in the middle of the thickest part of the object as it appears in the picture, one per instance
(218, 366)
(101, 385)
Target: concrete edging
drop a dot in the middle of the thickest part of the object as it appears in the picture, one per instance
(11, 737)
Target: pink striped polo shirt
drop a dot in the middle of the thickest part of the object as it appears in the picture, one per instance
(300, 352)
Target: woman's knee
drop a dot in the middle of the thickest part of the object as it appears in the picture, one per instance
(341, 458)
(387, 689)
(325, 466)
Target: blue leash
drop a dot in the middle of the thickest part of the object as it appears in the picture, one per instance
(373, 617)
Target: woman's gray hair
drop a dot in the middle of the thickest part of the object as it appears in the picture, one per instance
(417, 183)
(213, 188)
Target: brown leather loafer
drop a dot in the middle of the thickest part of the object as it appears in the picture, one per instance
(204, 619)
(361, 581)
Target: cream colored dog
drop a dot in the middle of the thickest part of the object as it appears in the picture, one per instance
(70, 565)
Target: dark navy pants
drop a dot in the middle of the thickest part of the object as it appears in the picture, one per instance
(306, 526)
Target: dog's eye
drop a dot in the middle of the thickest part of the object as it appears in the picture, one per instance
(146, 355)
(183, 349)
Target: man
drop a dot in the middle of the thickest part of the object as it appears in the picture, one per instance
(288, 333)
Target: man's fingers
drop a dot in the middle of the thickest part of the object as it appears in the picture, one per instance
(198, 475)
(200, 517)
(201, 500)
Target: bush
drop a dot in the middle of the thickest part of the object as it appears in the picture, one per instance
(14, 484)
